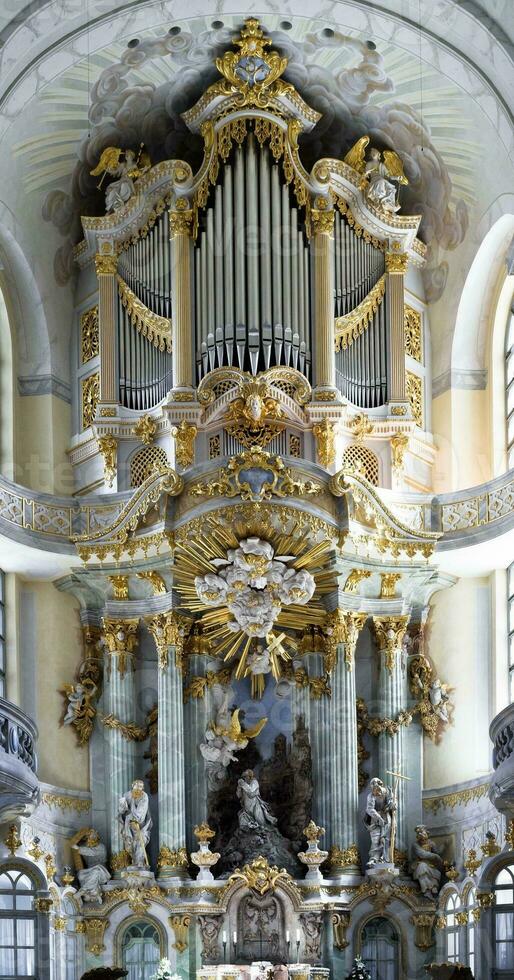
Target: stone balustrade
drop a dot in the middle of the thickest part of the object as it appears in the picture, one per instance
(19, 787)
(501, 790)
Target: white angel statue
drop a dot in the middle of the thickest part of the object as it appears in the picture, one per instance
(127, 167)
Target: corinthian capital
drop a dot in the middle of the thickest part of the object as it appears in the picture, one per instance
(343, 627)
(390, 631)
(167, 632)
(120, 637)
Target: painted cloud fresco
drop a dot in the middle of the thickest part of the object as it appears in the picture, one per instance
(351, 88)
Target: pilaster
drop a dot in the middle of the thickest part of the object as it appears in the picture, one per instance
(396, 265)
(106, 268)
(322, 250)
(181, 227)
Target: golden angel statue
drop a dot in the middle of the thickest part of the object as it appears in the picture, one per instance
(127, 167)
(381, 174)
(80, 698)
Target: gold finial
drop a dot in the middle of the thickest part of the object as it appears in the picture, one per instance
(312, 832)
(252, 71)
(203, 833)
(13, 839)
(472, 863)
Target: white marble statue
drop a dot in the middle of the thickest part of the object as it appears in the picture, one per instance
(127, 167)
(136, 823)
(95, 874)
(254, 584)
(378, 817)
(439, 699)
(254, 812)
(427, 865)
(217, 749)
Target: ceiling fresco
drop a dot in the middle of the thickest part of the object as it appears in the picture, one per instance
(138, 92)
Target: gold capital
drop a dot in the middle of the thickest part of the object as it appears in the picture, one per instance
(390, 631)
(181, 223)
(121, 640)
(106, 265)
(166, 633)
(322, 222)
(396, 263)
(343, 627)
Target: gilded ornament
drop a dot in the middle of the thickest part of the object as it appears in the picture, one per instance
(462, 918)
(59, 923)
(106, 265)
(252, 418)
(89, 335)
(414, 391)
(203, 833)
(412, 333)
(172, 859)
(181, 223)
(180, 925)
(80, 702)
(350, 326)
(185, 435)
(460, 798)
(491, 846)
(13, 840)
(451, 872)
(95, 930)
(475, 914)
(43, 905)
(278, 479)
(344, 857)
(424, 925)
(396, 263)
(379, 175)
(90, 396)
(168, 630)
(312, 832)
(108, 447)
(120, 586)
(35, 851)
(434, 705)
(324, 433)
(260, 876)
(398, 410)
(65, 803)
(128, 730)
(390, 631)
(399, 443)
(322, 222)
(156, 580)
(214, 447)
(486, 900)
(50, 867)
(509, 835)
(67, 877)
(352, 582)
(120, 860)
(145, 429)
(157, 329)
(342, 628)
(121, 640)
(360, 426)
(388, 584)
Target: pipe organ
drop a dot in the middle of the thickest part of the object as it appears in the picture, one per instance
(249, 264)
(360, 313)
(144, 318)
(252, 272)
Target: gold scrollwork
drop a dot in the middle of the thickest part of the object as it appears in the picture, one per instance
(157, 329)
(278, 480)
(412, 333)
(90, 396)
(350, 326)
(89, 336)
(260, 876)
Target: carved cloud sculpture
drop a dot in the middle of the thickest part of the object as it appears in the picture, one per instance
(254, 584)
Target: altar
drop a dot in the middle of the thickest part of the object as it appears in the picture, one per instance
(263, 970)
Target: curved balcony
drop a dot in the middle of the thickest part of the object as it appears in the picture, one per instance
(19, 787)
(501, 790)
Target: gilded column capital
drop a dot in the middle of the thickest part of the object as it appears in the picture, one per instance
(322, 222)
(181, 223)
(343, 627)
(106, 265)
(166, 631)
(120, 637)
(396, 263)
(390, 631)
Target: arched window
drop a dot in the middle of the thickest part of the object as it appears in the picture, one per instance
(510, 620)
(141, 950)
(509, 381)
(471, 907)
(452, 928)
(380, 949)
(504, 919)
(17, 925)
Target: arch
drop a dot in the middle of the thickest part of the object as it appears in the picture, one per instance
(19, 921)
(379, 941)
(363, 461)
(144, 462)
(141, 924)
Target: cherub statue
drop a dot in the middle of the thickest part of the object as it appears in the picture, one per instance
(225, 736)
(434, 705)
(89, 849)
(381, 173)
(127, 167)
(80, 698)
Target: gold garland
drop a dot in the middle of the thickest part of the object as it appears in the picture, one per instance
(349, 327)
(128, 730)
(157, 329)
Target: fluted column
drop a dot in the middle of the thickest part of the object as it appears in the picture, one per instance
(181, 225)
(321, 246)
(343, 632)
(106, 269)
(393, 699)
(120, 637)
(396, 265)
(172, 862)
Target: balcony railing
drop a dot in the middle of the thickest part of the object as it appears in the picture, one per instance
(19, 788)
(501, 732)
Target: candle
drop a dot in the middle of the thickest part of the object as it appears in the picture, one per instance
(288, 936)
(224, 937)
(297, 935)
(235, 938)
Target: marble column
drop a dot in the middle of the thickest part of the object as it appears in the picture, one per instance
(396, 264)
(106, 269)
(172, 861)
(392, 699)
(321, 245)
(345, 627)
(181, 225)
(120, 637)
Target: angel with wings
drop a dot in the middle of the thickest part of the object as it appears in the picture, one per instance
(381, 174)
(127, 167)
